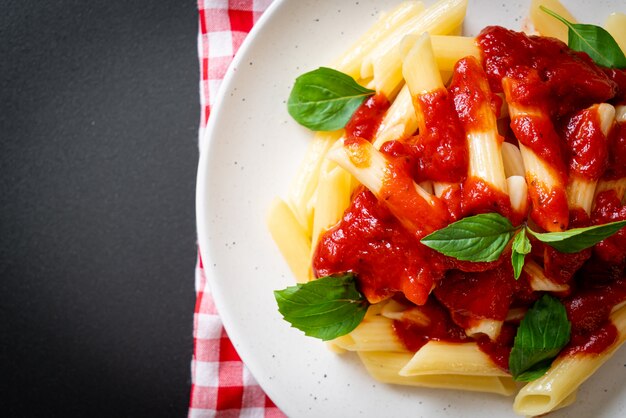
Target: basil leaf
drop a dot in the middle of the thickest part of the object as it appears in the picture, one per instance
(543, 332)
(325, 99)
(475, 238)
(519, 248)
(578, 239)
(593, 40)
(325, 308)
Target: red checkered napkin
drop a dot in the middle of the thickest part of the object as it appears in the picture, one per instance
(221, 385)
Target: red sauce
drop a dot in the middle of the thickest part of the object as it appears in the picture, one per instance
(588, 311)
(481, 197)
(616, 168)
(500, 349)
(440, 328)
(419, 215)
(471, 297)
(471, 95)
(550, 209)
(387, 258)
(367, 118)
(611, 251)
(506, 53)
(587, 145)
(440, 147)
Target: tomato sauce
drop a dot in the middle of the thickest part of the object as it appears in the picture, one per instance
(616, 166)
(507, 53)
(440, 328)
(367, 118)
(440, 148)
(588, 150)
(385, 254)
(388, 258)
(588, 311)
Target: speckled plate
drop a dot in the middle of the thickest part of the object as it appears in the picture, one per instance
(250, 154)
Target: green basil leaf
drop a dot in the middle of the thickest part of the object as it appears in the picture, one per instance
(475, 238)
(578, 239)
(593, 40)
(519, 248)
(325, 99)
(325, 308)
(543, 332)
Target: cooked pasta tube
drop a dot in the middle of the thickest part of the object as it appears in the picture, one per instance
(581, 186)
(620, 113)
(384, 63)
(450, 49)
(619, 186)
(472, 97)
(393, 187)
(374, 333)
(419, 69)
(350, 62)
(332, 198)
(305, 181)
(488, 327)
(438, 357)
(512, 160)
(566, 374)
(422, 77)
(545, 24)
(546, 185)
(291, 238)
(518, 194)
(385, 367)
(539, 281)
(399, 121)
(616, 25)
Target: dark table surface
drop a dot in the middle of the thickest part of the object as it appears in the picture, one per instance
(98, 128)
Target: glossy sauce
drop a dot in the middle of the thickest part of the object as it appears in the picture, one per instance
(367, 118)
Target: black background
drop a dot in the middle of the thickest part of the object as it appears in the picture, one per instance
(98, 131)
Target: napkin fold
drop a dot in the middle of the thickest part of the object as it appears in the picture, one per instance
(221, 385)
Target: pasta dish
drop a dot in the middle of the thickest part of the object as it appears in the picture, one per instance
(459, 217)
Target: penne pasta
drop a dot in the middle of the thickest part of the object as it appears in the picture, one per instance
(291, 239)
(547, 25)
(385, 367)
(440, 358)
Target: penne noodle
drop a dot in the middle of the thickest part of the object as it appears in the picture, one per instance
(291, 239)
(400, 120)
(450, 49)
(581, 188)
(385, 367)
(384, 63)
(375, 333)
(373, 170)
(442, 358)
(545, 184)
(488, 327)
(518, 194)
(545, 24)
(332, 198)
(350, 62)
(305, 181)
(539, 281)
(512, 160)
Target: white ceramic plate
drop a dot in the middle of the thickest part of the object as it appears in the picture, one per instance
(251, 152)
